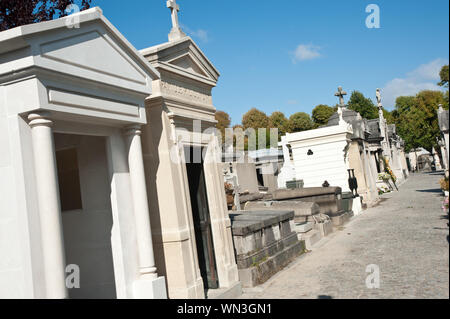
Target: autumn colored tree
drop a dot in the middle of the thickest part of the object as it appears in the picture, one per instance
(255, 122)
(255, 119)
(223, 122)
(321, 114)
(279, 121)
(14, 13)
(239, 138)
(299, 122)
(364, 106)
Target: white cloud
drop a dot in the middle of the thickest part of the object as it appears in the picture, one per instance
(424, 77)
(429, 71)
(306, 52)
(200, 34)
(292, 102)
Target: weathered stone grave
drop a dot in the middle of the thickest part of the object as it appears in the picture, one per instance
(265, 242)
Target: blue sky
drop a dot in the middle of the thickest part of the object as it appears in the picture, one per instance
(290, 56)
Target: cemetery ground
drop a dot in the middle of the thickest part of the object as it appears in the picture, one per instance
(406, 235)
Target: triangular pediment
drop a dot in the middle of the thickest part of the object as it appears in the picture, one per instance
(83, 46)
(96, 52)
(188, 63)
(183, 55)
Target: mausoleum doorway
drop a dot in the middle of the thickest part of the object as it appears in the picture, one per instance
(84, 189)
(201, 218)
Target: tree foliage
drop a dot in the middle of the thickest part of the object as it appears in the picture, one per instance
(279, 121)
(321, 114)
(223, 122)
(364, 106)
(255, 119)
(416, 118)
(444, 76)
(389, 116)
(299, 122)
(14, 13)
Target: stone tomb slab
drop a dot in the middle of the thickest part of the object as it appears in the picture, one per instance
(264, 243)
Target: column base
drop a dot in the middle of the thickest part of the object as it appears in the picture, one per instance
(144, 288)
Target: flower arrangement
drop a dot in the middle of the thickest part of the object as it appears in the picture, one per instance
(388, 170)
(383, 189)
(444, 184)
(384, 177)
(229, 194)
(445, 205)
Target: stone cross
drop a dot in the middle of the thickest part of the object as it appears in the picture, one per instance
(175, 33)
(340, 93)
(174, 7)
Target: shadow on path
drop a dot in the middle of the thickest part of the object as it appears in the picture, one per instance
(434, 190)
(435, 173)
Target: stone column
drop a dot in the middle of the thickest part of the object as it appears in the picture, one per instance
(148, 285)
(141, 211)
(49, 205)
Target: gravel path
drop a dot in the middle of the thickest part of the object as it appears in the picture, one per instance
(406, 236)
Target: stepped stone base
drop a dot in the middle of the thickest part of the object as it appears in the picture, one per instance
(342, 219)
(325, 228)
(310, 238)
(261, 272)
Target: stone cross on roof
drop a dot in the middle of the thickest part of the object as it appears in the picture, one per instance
(340, 93)
(176, 33)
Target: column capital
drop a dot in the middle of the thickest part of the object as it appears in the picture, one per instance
(40, 119)
(135, 129)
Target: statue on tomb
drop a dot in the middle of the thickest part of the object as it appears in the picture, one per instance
(378, 94)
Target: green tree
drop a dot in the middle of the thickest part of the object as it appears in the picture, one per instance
(364, 106)
(278, 120)
(299, 122)
(321, 114)
(444, 81)
(389, 116)
(404, 103)
(416, 119)
(444, 76)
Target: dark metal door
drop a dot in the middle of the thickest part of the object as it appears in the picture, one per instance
(202, 221)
